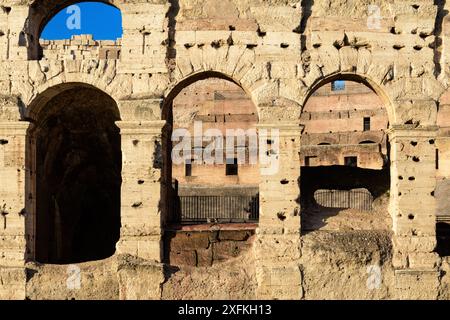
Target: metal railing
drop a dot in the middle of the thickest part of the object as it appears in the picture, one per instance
(343, 199)
(443, 219)
(221, 209)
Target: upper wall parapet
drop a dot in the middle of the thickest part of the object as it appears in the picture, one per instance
(279, 51)
(81, 47)
(240, 15)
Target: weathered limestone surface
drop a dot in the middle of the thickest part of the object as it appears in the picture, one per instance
(279, 52)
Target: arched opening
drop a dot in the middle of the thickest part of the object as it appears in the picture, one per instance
(85, 24)
(442, 163)
(345, 177)
(74, 176)
(211, 171)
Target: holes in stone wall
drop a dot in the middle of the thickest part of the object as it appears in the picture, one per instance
(281, 216)
(216, 44)
(414, 143)
(411, 216)
(416, 159)
(3, 142)
(136, 205)
(424, 35)
(412, 178)
(261, 33)
(6, 9)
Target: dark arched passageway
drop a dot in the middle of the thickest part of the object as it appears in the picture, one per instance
(76, 155)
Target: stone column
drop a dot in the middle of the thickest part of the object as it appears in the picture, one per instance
(12, 209)
(277, 247)
(413, 211)
(141, 189)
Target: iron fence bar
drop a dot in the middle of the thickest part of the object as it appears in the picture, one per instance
(221, 208)
(355, 199)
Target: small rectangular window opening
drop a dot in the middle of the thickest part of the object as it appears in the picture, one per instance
(351, 161)
(366, 124)
(232, 167)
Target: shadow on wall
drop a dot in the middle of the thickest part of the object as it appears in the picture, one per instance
(306, 14)
(314, 216)
(439, 27)
(443, 239)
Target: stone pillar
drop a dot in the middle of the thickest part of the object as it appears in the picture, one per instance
(141, 189)
(12, 209)
(413, 211)
(277, 247)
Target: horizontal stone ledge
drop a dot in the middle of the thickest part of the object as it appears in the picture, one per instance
(141, 127)
(412, 272)
(11, 128)
(286, 128)
(409, 131)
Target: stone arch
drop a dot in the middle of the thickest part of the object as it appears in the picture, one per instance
(48, 89)
(175, 89)
(346, 165)
(39, 14)
(73, 179)
(380, 91)
(169, 191)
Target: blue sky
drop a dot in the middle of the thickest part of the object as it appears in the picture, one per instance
(101, 20)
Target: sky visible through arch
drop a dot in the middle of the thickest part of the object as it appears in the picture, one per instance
(103, 21)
